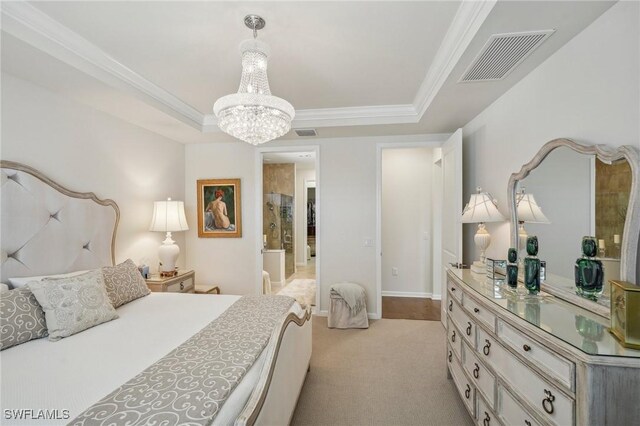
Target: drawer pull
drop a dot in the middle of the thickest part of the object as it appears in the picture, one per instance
(526, 347)
(182, 286)
(468, 328)
(476, 310)
(467, 392)
(547, 402)
(450, 305)
(453, 289)
(453, 336)
(450, 356)
(527, 422)
(476, 371)
(487, 347)
(487, 419)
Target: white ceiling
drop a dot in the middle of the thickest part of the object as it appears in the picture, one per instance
(349, 68)
(324, 54)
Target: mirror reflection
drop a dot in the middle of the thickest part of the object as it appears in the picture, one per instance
(569, 196)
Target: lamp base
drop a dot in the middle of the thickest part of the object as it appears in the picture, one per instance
(478, 267)
(168, 274)
(168, 254)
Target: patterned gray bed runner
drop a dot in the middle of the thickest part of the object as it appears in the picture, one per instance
(189, 385)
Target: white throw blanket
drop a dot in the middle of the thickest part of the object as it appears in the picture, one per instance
(352, 294)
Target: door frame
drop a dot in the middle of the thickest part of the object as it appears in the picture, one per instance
(308, 183)
(259, 200)
(436, 143)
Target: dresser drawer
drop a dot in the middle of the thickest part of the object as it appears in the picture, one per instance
(511, 412)
(480, 312)
(182, 286)
(464, 386)
(553, 364)
(485, 415)
(454, 289)
(549, 402)
(484, 380)
(463, 322)
(454, 337)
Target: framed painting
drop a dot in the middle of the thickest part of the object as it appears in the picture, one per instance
(219, 209)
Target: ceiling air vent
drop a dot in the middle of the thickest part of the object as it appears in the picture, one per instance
(502, 53)
(306, 132)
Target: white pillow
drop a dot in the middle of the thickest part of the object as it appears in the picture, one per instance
(73, 304)
(22, 281)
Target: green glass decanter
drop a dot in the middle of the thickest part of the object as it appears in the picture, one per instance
(512, 268)
(589, 272)
(532, 266)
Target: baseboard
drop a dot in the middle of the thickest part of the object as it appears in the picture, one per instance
(436, 297)
(371, 315)
(300, 264)
(408, 294)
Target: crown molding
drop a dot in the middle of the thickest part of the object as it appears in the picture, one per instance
(468, 19)
(29, 24)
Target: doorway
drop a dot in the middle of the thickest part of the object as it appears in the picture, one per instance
(407, 212)
(287, 260)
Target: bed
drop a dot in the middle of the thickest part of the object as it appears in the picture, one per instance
(74, 373)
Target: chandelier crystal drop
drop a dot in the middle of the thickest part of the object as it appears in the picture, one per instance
(253, 114)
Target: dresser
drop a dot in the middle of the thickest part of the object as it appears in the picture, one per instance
(519, 359)
(184, 282)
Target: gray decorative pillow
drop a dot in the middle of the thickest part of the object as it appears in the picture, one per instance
(21, 318)
(124, 283)
(73, 304)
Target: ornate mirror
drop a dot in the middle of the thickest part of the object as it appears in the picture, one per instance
(568, 191)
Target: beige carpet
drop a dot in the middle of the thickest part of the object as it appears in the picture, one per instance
(394, 373)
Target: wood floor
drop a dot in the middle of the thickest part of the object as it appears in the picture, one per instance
(410, 308)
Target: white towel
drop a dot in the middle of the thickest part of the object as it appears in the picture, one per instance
(353, 295)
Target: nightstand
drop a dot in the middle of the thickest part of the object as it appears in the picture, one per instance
(184, 282)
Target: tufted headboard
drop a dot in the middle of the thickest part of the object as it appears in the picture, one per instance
(47, 229)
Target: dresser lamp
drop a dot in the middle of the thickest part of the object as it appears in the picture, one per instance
(481, 209)
(528, 211)
(168, 216)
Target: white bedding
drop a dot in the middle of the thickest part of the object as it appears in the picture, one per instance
(77, 371)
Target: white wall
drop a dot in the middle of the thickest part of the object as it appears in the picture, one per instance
(87, 150)
(347, 193)
(227, 262)
(587, 91)
(406, 220)
(302, 175)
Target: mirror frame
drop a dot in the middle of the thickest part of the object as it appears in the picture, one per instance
(631, 234)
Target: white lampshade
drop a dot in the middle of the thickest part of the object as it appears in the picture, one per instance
(528, 209)
(480, 209)
(168, 216)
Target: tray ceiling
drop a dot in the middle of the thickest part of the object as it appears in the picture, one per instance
(349, 68)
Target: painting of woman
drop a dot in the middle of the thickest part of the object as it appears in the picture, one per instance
(219, 208)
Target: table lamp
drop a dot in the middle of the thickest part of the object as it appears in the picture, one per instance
(481, 209)
(168, 216)
(528, 211)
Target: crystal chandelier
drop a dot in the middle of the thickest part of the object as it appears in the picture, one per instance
(253, 114)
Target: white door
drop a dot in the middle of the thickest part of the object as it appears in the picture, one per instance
(451, 210)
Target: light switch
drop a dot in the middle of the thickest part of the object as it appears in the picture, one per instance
(368, 242)
(394, 271)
